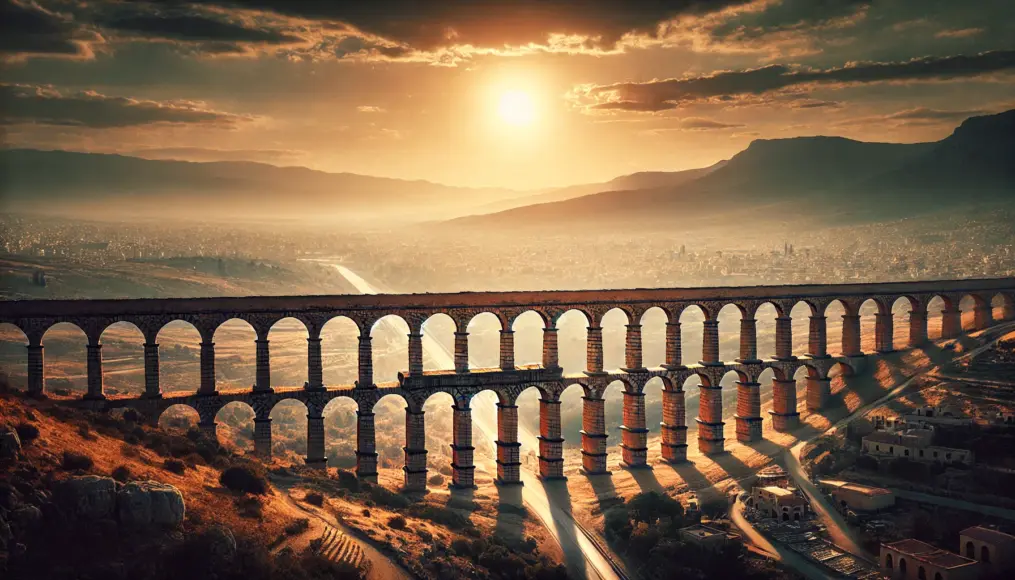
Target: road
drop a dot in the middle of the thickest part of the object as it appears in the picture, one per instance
(585, 557)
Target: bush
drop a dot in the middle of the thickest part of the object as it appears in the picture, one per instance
(314, 498)
(244, 479)
(121, 473)
(384, 497)
(348, 480)
(461, 547)
(27, 432)
(396, 523)
(436, 480)
(366, 513)
(128, 450)
(297, 527)
(174, 466)
(75, 461)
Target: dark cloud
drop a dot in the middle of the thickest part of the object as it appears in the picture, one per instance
(702, 124)
(43, 105)
(791, 15)
(925, 114)
(191, 27)
(671, 93)
(28, 29)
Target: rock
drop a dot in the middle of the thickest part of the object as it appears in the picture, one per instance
(10, 443)
(28, 517)
(5, 532)
(221, 543)
(150, 503)
(89, 497)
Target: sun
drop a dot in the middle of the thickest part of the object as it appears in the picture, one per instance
(516, 108)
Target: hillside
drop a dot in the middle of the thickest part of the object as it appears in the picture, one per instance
(823, 178)
(65, 181)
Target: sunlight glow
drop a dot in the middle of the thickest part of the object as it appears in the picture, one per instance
(516, 108)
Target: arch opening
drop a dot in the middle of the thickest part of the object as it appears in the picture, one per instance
(439, 429)
(833, 326)
(179, 357)
(902, 309)
(179, 418)
(692, 321)
(614, 325)
(389, 431)
(235, 426)
(439, 342)
(289, 431)
(340, 351)
(66, 359)
(765, 325)
(484, 341)
(235, 355)
(800, 327)
(288, 353)
(653, 337)
(389, 346)
(340, 432)
(572, 341)
(13, 357)
(868, 322)
(729, 332)
(935, 318)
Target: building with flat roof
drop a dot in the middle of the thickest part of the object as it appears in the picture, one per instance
(993, 549)
(779, 502)
(913, 444)
(915, 560)
(706, 537)
(858, 497)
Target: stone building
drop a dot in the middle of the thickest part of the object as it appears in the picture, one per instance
(913, 444)
(993, 549)
(857, 497)
(712, 539)
(915, 560)
(779, 502)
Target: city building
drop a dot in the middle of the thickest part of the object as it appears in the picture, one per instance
(857, 497)
(915, 560)
(993, 549)
(913, 444)
(939, 415)
(779, 502)
(706, 537)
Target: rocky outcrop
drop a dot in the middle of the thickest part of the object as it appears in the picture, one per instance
(135, 504)
(10, 443)
(149, 503)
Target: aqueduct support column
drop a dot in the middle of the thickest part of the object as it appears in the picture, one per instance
(550, 356)
(817, 337)
(710, 342)
(415, 354)
(366, 363)
(315, 443)
(674, 427)
(673, 355)
(784, 338)
(784, 415)
(748, 415)
(594, 352)
(748, 340)
(415, 451)
(262, 438)
(594, 435)
(262, 376)
(94, 372)
(632, 351)
(315, 366)
(151, 371)
(883, 332)
(951, 322)
(710, 424)
(36, 369)
(207, 369)
(634, 434)
(851, 335)
(461, 352)
(366, 445)
(917, 327)
(818, 392)
(463, 468)
(507, 350)
(509, 450)
(982, 316)
(551, 444)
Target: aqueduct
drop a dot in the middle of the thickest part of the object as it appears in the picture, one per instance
(508, 380)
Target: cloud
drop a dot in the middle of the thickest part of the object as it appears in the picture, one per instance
(959, 33)
(274, 156)
(45, 105)
(658, 95)
(919, 116)
(369, 109)
(27, 29)
(702, 124)
(193, 27)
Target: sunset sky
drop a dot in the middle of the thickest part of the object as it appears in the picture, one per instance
(519, 94)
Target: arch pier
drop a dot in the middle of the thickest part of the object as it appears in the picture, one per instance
(508, 380)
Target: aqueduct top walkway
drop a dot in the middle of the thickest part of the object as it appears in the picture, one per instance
(509, 380)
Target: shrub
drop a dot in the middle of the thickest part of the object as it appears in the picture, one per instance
(75, 461)
(348, 480)
(249, 506)
(128, 450)
(436, 480)
(121, 473)
(297, 527)
(396, 523)
(424, 534)
(366, 513)
(461, 547)
(243, 479)
(384, 497)
(314, 498)
(174, 466)
(86, 432)
(27, 432)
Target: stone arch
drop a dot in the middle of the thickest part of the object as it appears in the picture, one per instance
(868, 311)
(179, 357)
(389, 347)
(179, 417)
(967, 306)
(235, 353)
(485, 430)
(484, 340)
(572, 340)
(122, 358)
(888, 562)
(800, 314)
(614, 324)
(439, 334)
(235, 425)
(389, 430)
(692, 319)
(287, 338)
(729, 317)
(765, 315)
(613, 397)
(1002, 306)
(985, 554)
(528, 328)
(833, 312)
(935, 319)
(340, 431)
(970, 550)
(921, 573)
(653, 336)
(571, 408)
(439, 422)
(66, 358)
(13, 356)
(289, 430)
(902, 308)
(902, 567)
(340, 351)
